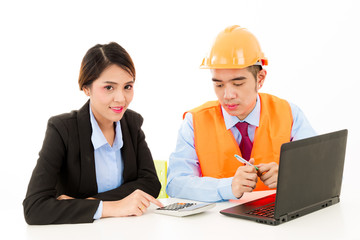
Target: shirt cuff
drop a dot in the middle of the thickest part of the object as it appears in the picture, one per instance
(99, 211)
(224, 189)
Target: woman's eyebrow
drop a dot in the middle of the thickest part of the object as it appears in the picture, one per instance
(115, 83)
(110, 82)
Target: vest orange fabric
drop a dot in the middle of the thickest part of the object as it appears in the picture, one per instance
(215, 146)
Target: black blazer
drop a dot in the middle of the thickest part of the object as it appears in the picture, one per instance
(66, 166)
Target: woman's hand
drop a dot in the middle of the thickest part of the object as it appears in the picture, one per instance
(133, 205)
(66, 197)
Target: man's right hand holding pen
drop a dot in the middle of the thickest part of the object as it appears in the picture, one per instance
(244, 180)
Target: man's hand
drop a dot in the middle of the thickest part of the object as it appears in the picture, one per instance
(268, 174)
(244, 180)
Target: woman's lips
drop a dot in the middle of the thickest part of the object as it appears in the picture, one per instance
(117, 109)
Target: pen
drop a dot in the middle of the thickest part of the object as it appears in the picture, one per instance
(245, 162)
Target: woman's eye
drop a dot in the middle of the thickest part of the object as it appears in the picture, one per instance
(109, 88)
(128, 87)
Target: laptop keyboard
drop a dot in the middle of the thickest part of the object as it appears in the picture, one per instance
(266, 211)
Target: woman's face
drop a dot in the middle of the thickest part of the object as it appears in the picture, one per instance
(110, 95)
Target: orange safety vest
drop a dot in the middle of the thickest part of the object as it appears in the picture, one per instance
(215, 145)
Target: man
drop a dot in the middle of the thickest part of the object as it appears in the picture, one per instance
(242, 121)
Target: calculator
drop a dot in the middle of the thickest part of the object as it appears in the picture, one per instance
(179, 209)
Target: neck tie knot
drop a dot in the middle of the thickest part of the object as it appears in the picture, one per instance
(243, 128)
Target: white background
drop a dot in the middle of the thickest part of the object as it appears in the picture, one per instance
(312, 47)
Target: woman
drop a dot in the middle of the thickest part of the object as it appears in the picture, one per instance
(95, 162)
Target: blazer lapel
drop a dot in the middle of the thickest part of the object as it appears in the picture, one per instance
(88, 184)
(127, 152)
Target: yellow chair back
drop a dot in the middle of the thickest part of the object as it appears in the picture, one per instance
(161, 170)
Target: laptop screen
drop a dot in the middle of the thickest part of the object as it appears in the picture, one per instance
(310, 171)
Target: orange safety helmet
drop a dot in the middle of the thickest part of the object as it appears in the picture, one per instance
(235, 47)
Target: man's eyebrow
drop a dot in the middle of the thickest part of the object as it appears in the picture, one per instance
(216, 80)
(234, 79)
(238, 78)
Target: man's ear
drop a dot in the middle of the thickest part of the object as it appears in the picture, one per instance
(261, 78)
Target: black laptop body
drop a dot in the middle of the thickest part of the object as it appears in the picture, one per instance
(309, 179)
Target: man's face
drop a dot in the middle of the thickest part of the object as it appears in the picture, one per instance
(236, 90)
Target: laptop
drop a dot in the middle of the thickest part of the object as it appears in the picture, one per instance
(309, 179)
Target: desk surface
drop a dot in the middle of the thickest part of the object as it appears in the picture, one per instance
(335, 222)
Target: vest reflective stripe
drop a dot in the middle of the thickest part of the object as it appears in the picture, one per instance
(215, 146)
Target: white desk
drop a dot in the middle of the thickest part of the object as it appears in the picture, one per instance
(335, 222)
